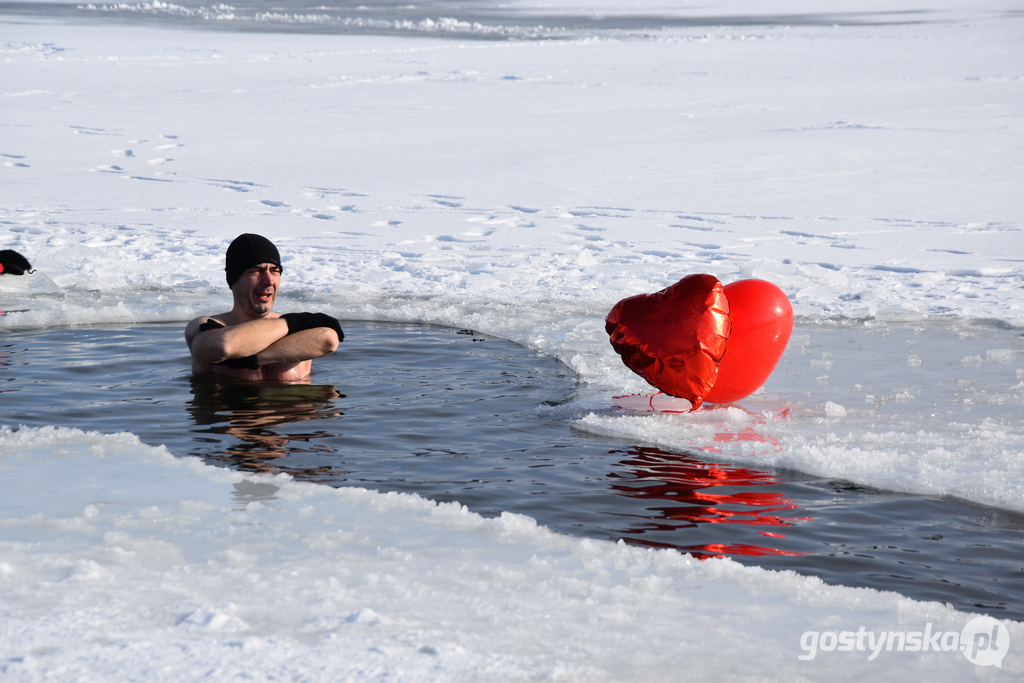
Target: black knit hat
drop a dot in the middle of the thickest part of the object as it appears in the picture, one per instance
(248, 250)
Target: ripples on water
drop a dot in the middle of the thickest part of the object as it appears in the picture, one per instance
(452, 415)
(476, 20)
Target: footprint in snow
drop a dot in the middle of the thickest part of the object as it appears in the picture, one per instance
(445, 200)
(16, 160)
(236, 185)
(86, 130)
(701, 228)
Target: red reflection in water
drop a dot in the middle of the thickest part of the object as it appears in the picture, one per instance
(693, 492)
(703, 552)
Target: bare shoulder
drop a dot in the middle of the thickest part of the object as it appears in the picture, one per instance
(192, 328)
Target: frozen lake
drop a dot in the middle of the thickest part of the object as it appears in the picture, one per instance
(515, 171)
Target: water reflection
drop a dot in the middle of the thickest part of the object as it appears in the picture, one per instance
(674, 500)
(251, 425)
(683, 492)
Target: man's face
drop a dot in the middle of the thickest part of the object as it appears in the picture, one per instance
(256, 289)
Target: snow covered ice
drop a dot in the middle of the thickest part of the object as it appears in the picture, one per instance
(148, 567)
(865, 160)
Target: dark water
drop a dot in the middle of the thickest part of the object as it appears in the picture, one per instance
(459, 19)
(452, 415)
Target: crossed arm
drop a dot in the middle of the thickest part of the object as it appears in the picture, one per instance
(266, 341)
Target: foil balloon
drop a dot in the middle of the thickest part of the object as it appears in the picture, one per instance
(674, 338)
(762, 322)
(701, 341)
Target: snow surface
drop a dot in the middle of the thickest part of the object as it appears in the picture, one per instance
(520, 189)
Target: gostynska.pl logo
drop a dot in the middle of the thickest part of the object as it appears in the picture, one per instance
(984, 641)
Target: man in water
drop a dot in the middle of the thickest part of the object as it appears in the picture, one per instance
(251, 341)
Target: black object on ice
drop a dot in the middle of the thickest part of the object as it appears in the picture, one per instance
(13, 263)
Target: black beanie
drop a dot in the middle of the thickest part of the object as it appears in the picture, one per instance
(246, 251)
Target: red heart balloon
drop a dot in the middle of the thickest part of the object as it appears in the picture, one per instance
(674, 338)
(762, 322)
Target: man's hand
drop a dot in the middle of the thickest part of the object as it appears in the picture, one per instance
(298, 322)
